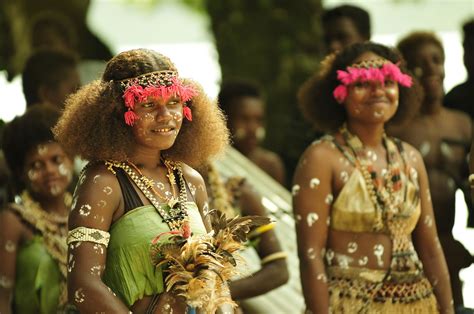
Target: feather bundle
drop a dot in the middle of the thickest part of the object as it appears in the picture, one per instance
(200, 266)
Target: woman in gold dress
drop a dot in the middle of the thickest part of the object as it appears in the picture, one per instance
(367, 239)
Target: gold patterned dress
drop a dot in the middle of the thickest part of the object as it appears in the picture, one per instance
(403, 288)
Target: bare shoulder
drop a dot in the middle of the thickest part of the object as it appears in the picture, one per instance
(320, 150)
(10, 222)
(413, 156)
(269, 156)
(192, 175)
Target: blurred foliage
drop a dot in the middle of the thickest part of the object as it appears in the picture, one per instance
(277, 43)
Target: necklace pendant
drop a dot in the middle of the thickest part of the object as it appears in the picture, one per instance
(172, 202)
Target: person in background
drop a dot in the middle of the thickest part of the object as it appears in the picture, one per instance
(442, 136)
(33, 230)
(461, 96)
(235, 197)
(243, 103)
(345, 25)
(49, 77)
(366, 233)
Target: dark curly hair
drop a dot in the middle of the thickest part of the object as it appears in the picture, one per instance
(357, 15)
(411, 43)
(45, 67)
(234, 89)
(316, 95)
(26, 132)
(93, 127)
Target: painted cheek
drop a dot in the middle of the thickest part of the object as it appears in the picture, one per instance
(149, 117)
(178, 116)
(42, 149)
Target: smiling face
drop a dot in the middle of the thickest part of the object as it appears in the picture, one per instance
(371, 101)
(159, 122)
(48, 170)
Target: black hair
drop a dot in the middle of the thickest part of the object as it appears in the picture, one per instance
(234, 89)
(24, 133)
(45, 67)
(359, 16)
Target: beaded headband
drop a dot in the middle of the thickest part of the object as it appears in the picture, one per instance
(377, 70)
(158, 84)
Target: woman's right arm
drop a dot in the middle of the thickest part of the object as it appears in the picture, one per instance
(96, 199)
(312, 198)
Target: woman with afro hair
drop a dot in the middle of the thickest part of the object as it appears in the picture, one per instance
(141, 127)
(367, 239)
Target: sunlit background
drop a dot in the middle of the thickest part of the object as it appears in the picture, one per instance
(184, 35)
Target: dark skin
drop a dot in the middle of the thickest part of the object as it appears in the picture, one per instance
(272, 274)
(442, 136)
(245, 122)
(56, 95)
(340, 33)
(47, 182)
(156, 130)
(368, 106)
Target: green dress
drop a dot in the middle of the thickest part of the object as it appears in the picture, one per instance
(129, 271)
(38, 279)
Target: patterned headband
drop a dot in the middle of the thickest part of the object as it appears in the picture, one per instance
(159, 84)
(377, 70)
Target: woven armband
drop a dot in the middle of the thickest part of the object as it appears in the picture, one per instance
(84, 234)
(274, 256)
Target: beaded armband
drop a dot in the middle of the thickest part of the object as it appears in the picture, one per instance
(274, 256)
(84, 234)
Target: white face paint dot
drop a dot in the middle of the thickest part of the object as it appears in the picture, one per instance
(101, 204)
(298, 218)
(99, 249)
(314, 183)
(79, 296)
(378, 252)
(414, 173)
(96, 177)
(85, 210)
(63, 170)
(311, 219)
(96, 270)
(107, 190)
(10, 246)
(344, 176)
(329, 199)
(363, 261)
(352, 247)
(5, 282)
(428, 220)
(425, 148)
(322, 277)
(295, 189)
(311, 253)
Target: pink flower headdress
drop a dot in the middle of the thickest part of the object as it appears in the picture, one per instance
(371, 70)
(159, 84)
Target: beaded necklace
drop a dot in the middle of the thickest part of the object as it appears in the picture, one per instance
(174, 212)
(382, 192)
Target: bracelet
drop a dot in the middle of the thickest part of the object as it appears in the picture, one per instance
(273, 256)
(84, 234)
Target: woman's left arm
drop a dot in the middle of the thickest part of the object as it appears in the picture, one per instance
(427, 244)
(273, 272)
(193, 178)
